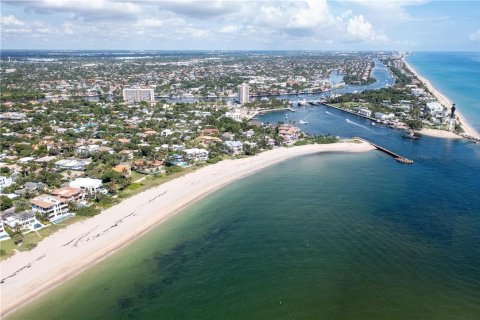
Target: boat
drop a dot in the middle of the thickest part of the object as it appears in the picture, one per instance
(302, 122)
(286, 116)
(302, 102)
(410, 135)
(373, 123)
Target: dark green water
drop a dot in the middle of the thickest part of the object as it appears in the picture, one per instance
(333, 236)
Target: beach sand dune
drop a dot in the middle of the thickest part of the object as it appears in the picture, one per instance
(27, 275)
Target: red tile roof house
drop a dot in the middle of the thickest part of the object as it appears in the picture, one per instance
(69, 193)
(289, 133)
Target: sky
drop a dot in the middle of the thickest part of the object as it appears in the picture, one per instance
(406, 25)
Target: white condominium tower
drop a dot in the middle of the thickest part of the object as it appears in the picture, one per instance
(243, 92)
(136, 95)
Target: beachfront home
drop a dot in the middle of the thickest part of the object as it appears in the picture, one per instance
(234, 147)
(149, 167)
(365, 112)
(89, 185)
(3, 234)
(196, 154)
(25, 219)
(51, 207)
(289, 133)
(383, 116)
(69, 193)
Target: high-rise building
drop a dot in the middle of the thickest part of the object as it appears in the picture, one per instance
(243, 93)
(136, 95)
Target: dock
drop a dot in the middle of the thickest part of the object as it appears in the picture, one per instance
(397, 157)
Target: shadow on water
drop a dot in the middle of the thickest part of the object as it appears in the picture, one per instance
(173, 266)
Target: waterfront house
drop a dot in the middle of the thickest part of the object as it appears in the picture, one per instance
(234, 147)
(149, 167)
(289, 133)
(196, 154)
(69, 193)
(25, 219)
(51, 207)
(364, 112)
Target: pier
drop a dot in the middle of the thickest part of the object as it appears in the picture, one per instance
(397, 157)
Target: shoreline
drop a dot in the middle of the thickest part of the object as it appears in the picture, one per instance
(444, 100)
(65, 254)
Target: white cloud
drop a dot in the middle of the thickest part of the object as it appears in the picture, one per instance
(11, 20)
(360, 29)
(218, 23)
(82, 9)
(204, 9)
(474, 36)
(150, 22)
(229, 29)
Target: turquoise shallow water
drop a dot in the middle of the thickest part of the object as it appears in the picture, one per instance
(331, 236)
(457, 75)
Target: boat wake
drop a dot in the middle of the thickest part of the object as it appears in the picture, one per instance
(329, 113)
(359, 125)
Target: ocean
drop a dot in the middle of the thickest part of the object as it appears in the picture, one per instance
(455, 74)
(330, 236)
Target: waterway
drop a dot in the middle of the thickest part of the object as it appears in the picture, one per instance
(331, 236)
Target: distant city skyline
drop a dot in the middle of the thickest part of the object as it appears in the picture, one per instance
(410, 25)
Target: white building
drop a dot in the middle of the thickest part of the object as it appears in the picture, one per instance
(434, 107)
(88, 184)
(133, 95)
(196, 154)
(365, 112)
(49, 206)
(381, 116)
(72, 164)
(237, 116)
(243, 93)
(234, 147)
(5, 182)
(26, 220)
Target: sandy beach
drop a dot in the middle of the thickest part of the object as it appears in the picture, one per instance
(27, 275)
(446, 102)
